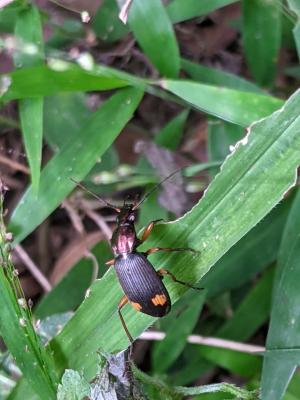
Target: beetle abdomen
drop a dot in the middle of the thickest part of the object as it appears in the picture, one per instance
(142, 285)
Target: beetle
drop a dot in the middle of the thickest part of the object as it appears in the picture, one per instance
(141, 283)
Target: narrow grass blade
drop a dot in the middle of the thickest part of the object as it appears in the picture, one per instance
(218, 77)
(106, 23)
(284, 330)
(261, 38)
(61, 76)
(153, 30)
(29, 37)
(17, 329)
(75, 160)
(246, 259)
(263, 164)
(295, 6)
(179, 10)
(233, 106)
(171, 134)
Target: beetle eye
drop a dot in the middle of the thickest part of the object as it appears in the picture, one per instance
(131, 217)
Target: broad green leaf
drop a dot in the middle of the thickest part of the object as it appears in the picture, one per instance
(75, 160)
(246, 259)
(294, 5)
(29, 37)
(218, 77)
(153, 30)
(235, 106)
(107, 24)
(262, 166)
(177, 332)
(284, 331)
(171, 134)
(179, 10)
(73, 386)
(17, 330)
(60, 76)
(261, 38)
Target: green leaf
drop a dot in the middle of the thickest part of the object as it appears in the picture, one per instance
(73, 386)
(242, 326)
(107, 24)
(261, 38)
(66, 113)
(284, 331)
(235, 106)
(171, 134)
(262, 166)
(179, 10)
(29, 37)
(245, 322)
(61, 76)
(17, 328)
(246, 259)
(8, 17)
(177, 332)
(218, 77)
(153, 30)
(75, 160)
(295, 6)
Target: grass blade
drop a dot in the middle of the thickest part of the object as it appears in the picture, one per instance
(218, 77)
(29, 38)
(170, 135)
(295, 6)
(182, 10)
(262, 37)
(55, 183)
(153, 30)
(16, 326)
(233, 106)
(61, 76)
(284, 330)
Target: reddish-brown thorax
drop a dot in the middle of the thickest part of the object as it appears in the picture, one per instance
(124, 239)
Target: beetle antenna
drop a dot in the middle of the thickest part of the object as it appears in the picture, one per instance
(155, 187)
(95, 196)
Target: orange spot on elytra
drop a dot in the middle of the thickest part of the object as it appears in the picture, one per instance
(136, 306)
(159, 300)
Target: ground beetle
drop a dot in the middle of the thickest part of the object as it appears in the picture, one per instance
(141, 283)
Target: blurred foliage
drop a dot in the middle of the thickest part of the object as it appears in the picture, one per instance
(120, 107)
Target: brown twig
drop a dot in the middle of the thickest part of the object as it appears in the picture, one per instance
(36, 273)
(14, 164)
(100, 222)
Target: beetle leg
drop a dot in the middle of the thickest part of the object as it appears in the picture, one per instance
(148, 230)
(110, 262)
(155, 249)
(124, 300)
(162, 272)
